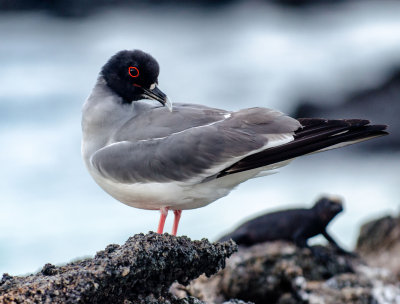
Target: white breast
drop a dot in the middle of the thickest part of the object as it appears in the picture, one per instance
(177, 195)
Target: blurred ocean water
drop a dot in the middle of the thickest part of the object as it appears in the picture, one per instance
(236, 57)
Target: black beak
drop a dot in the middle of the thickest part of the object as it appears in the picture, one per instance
(157, 94)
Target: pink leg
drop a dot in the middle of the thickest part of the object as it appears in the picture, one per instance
(177, 214)
(163, 217)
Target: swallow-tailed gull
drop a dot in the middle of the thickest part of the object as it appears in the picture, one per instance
(159, 157)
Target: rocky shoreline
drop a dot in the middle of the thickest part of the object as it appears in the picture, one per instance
(140, 271)
(154, 268)
(281, 273)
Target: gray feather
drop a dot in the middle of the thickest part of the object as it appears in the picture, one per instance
(188, 143)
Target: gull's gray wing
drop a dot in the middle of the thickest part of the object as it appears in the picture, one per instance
(156, 122)
(194, 153)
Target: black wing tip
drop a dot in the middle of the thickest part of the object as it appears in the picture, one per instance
(310, 123)
(381, 127)
(374, 128)
(352, 122)
(384, 133)
(315, 135)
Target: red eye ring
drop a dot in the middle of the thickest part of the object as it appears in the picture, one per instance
(135, 72)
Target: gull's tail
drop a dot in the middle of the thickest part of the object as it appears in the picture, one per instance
(315, 135)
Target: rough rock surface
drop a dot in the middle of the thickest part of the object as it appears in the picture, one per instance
(281, 273)
(379, 243)
(380, 105)
(140, 271)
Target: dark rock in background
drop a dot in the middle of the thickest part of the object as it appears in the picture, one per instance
(83, 8)
(306, 3)
(140, 271)
(379, 243)
(381, 105)
(279, 272)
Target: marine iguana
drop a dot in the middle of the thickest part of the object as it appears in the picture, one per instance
(295, 225)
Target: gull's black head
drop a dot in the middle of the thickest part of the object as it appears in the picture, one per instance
(133, 75)
(328, 207)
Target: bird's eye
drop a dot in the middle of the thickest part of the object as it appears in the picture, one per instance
(133, 72)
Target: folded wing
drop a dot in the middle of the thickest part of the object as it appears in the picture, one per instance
(196, 153)
(315, 135)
